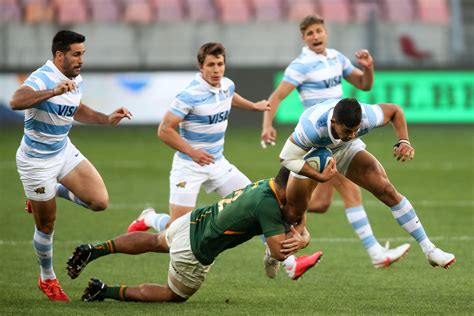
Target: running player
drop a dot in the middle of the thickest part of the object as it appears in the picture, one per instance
(337, 125)
(48, 163)
(317, 75)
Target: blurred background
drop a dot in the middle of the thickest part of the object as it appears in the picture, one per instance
(140, 53)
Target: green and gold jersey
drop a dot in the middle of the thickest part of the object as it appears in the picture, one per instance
(248, 212)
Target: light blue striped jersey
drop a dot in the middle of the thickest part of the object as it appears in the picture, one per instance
(47, 123)
(205, 110)
(318, 77)
(314, 125)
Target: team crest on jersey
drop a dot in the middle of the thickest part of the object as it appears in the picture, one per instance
(40, 190)
(182, 184)
(226, 92)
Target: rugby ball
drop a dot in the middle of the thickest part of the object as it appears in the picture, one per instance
(318, 158)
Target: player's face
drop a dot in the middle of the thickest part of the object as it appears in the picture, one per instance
(71, 61)
(212, 69)
(316, 37)
(342, 132)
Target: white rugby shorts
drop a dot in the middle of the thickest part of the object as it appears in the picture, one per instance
(40, 176)
(186, 178)
(184, 268)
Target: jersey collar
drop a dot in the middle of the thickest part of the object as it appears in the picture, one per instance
(271, 183)
(207, 85)
(329, 53)
(55, 69)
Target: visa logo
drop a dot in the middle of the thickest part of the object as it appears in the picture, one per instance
(219, 117)
(66, 110)
(333, 81)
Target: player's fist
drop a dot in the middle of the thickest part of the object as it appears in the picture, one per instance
(64, 86)
(403, 151)
(116, 116)
(364, 58)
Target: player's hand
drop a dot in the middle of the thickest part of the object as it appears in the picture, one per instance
(262, 106)
(64, 86)
(295, 242)
(116, 116)
(268, 137)
(403, 151)
(202, 157)
(364, 58)
(330, 171)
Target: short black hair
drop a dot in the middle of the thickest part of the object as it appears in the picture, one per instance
(281, 178)
(63, 39)
(348, 112)
(214, 49)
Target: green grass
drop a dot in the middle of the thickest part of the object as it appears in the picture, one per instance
(135, 166)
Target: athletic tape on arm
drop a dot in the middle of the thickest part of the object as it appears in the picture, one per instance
(292, 156)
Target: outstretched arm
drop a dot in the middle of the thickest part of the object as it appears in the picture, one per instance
(363, 79)
(393, 113)
(87, 115)
(25, 97)
(168, 134)
(241, 102)
(269, 133)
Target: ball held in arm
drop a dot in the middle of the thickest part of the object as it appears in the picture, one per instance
(318, 158)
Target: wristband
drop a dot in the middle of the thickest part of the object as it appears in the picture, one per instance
(402, 141)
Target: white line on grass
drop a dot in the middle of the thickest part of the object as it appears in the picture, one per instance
(316, 239)
(337, 203)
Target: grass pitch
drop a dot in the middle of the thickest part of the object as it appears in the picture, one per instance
(439, 182)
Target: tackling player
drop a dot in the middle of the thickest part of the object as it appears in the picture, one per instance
(197, 238)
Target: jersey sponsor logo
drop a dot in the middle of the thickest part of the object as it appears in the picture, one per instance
(40, 190)
(66, 110)
(332, 82)
(182, 184)
(219, 117)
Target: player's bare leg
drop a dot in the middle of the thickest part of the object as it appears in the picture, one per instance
(131, 243)
(85, 182)
(176, 211)
(321, 198)
(298, 193)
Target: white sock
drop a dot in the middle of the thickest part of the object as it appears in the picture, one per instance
(43, 245)
(357, 217)
(406, 217)
(289, 262)
(157, 221)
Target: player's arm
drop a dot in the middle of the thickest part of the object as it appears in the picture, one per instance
(298, 238)
(241, 102)
(25, 97)
(393, 114)
(168, 134)
(292, 158)
(85, 114)
(268, 132)
(362, 79)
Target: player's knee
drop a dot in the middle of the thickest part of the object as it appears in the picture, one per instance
(99, 204)
(321, 207)
(46, 227)
(385, 191)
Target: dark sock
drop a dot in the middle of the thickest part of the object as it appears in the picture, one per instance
(114, 292)
(102, 249)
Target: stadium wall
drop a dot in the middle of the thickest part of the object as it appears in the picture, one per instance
(262, 44)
